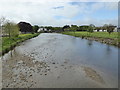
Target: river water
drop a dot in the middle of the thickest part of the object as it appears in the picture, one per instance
(54, 60)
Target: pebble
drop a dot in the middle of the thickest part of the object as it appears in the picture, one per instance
(45, 71)
(30, 75)
(40, 66)
(55, 66)
(31, 69)
(62, 65)
(65, 62)
(48, 69)
(53, 63)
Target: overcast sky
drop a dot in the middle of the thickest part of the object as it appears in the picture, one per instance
(61, 12)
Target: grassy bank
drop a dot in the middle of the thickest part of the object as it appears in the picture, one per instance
(103, 37)
(10, 43)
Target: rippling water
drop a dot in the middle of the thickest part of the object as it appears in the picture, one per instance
(59, 48)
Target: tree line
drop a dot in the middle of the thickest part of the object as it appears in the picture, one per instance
(11, 29)
(90, 28)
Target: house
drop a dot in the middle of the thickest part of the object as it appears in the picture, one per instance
(100, 30)
(95, 30)
(115, 29)
(42, 29)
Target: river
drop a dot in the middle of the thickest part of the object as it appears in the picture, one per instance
(53, 60)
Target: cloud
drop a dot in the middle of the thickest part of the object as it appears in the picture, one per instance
(59, 7)
(44, 12)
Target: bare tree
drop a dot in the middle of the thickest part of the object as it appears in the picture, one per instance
(2, 21)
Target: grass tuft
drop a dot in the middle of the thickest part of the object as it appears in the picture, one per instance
(10, 43)
(105, 37)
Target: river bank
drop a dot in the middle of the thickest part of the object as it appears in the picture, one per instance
(102, 37)
(9, 43)
(53, 60)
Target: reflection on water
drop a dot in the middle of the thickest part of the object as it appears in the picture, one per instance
(77, 51)
(90, 43)
(108, 49)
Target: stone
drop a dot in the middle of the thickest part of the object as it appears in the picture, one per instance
(53, 63)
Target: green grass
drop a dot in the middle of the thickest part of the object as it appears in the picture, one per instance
(114, 37)
(7, 42)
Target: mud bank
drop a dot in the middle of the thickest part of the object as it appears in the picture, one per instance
(26, 72)
(101, 39)
(105, 41)
(60, 61)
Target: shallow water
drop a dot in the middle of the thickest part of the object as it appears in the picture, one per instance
(54, 60)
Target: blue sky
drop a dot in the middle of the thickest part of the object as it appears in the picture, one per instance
(99, 14)
(56, 13)
(103, 13)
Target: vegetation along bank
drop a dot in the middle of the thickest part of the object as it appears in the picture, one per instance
(9, 43)
(103, 37)
(12, 34)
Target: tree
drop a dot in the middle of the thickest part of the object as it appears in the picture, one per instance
(25, 27)
(66, 27)
(98, 29)
(74, 28)
(91, 28)
(35, 28)
(110, 28)
(92, 25)
(48, 28)
(2, 21)
(83, 28)
(105, 26)
(56, 29)
(11, 29)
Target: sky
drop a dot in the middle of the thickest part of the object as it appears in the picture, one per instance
(61, 12)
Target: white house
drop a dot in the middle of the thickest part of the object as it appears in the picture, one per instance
(42, 29)
(116, 29)
(95, 30)
(100, 30)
